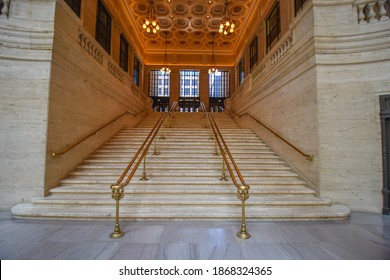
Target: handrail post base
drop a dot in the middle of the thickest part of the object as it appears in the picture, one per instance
(117, 232)
(223, 178)
(243, 234)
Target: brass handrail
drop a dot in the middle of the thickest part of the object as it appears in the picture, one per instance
(308, 157)
(242, 187)
(119, 187)
(58, 154)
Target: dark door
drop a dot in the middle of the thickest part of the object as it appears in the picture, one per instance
(217, 104)
(160, 104)
(385, 120)
(188, 104)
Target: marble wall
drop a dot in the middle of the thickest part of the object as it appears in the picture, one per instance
(25, 64)
(352, 59)
(281, 92)
(321, 92)
(57, 86)
(88, 89)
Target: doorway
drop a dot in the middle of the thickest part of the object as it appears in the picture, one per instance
(385, 122)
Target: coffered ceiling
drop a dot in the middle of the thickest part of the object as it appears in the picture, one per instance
(189, 25)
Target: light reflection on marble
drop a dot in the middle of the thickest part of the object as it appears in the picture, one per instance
(356, 238)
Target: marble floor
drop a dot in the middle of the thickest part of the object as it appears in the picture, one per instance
(363, 236)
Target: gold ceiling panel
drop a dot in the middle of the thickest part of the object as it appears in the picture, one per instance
(189, 24)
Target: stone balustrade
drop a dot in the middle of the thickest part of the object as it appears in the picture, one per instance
(90, 46)
(93, 48)
(281, 50)
(4, 8)
(370, 11)
(272, 58)
(115, 71)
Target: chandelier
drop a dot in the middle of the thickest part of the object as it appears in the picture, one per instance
(227, 24)
(213, 68)
(151, 22)
(165, 68)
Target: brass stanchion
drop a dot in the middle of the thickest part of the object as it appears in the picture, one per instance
(117, 194)
(215, 148)
(155, 152)
(162, 137)
(223, 178)
(144, 178)
(243, 195)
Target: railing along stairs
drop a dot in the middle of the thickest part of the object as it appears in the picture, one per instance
(228, 161)
(308, 157)
(119, 187)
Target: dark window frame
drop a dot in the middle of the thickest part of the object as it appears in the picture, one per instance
(103, 27)
(384, 103)
(136, 72)
(124, 54)
(298, 4)
(75, 5)
(241, 71)
(253, 53)
(273, 26)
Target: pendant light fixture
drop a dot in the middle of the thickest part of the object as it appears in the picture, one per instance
(213, 68)
(227, 24)
(151, 22)
(165, 69)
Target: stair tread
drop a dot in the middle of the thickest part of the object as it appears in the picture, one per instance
(166, 212)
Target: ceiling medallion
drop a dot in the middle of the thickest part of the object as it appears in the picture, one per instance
(227, 24)
(151, 22)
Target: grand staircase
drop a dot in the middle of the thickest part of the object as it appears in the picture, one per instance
(183, 180)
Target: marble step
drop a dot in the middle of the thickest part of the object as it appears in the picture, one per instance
(176, 131)
(184, 152)
(161, 172)
(299, 213)
(181, 189)
(193, 200)
(190, 135)
(208, 184)
(185, 145)
(259, 159)
(189, 174)
(169, 159)
(207, 165)
(183, 180)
